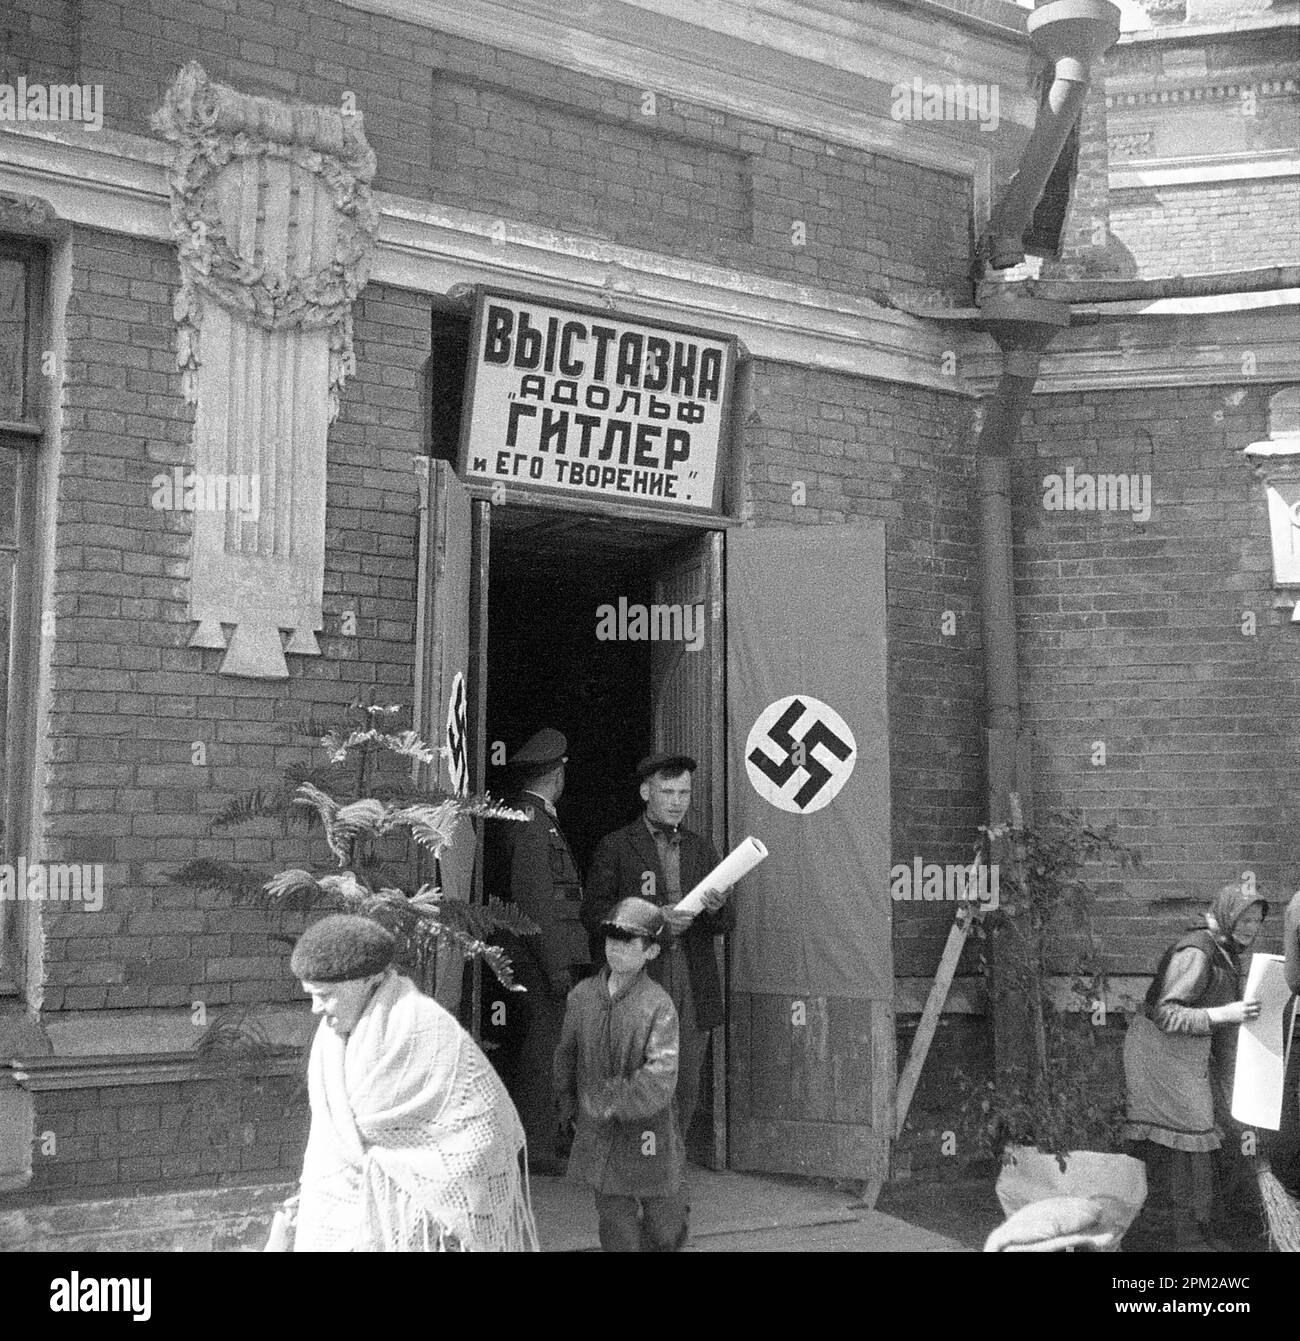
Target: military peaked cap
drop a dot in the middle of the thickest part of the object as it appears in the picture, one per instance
(544, 747)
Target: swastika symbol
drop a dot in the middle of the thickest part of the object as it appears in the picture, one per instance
(808, 767)
(457, 751)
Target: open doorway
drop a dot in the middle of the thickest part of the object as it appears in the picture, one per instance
(548, 576)
(564, 650)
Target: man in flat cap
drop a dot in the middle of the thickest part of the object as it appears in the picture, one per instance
(414, 1144)
(531, 864)
(657, 858)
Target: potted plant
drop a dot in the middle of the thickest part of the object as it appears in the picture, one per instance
(1054, 1111)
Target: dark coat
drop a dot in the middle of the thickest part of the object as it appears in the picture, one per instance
(615, 1077)
(618, 867)
(531, 865)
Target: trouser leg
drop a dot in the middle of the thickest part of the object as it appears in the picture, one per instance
(534, 1092)
(692, 1045)
(664, 1223)
(619, 1223)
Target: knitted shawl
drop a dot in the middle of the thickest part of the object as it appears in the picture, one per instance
(414, 1143)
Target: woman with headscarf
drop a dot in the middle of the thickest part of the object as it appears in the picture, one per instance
(414, 1144)
(1177, 1057)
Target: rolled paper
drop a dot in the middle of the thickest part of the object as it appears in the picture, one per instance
(1261, 1046)
(734, 866)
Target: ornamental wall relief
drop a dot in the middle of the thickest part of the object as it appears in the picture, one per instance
(274, 222)
(1277, 462)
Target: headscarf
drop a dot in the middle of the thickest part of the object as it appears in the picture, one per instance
(1226, 909)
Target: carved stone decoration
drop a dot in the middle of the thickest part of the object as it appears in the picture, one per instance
(273, 220)
(25, 214)
(1277, 463)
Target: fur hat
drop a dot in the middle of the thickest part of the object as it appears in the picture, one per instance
(340, 948)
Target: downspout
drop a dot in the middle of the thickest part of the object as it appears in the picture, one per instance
(1073, 34)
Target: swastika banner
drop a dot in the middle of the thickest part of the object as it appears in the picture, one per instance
(808, 768)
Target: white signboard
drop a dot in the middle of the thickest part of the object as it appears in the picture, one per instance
(1261, 1047)
(576, 402)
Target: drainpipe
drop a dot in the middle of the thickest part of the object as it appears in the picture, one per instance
(1072, 34)
(1022, 342)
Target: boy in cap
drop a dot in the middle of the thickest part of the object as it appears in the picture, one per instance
(414, 1143)
(615, 1075)
(658, 857)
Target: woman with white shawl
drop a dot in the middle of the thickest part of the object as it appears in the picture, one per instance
(414, 1143)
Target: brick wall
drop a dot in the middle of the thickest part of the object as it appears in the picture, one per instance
(126, 1139)
(868, 449)
(1132, 634)
(130, 699)
(462, 123)
(38, 39)
(1200, 227)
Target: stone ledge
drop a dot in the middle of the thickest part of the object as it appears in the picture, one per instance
(223, 1219)
(39, 1074)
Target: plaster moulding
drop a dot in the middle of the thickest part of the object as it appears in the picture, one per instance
(1276, 461)
(273, 222)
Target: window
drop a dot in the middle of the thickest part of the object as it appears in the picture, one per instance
(21, 323)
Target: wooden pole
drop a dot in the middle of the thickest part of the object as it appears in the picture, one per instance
(930, 1017)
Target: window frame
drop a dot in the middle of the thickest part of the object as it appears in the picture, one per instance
(27, 436)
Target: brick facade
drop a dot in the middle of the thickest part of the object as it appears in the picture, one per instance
(1202, 227)
(125, 1139)
(132, 705)
(1132, 634)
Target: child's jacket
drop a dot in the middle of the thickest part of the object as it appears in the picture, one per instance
(615, 1077)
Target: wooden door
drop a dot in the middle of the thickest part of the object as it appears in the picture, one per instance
(811, 1001)
(441, 712)
(687, 686)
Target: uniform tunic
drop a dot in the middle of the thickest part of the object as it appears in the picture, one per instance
(531, 865)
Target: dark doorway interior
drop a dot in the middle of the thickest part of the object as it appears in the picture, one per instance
(549, 574)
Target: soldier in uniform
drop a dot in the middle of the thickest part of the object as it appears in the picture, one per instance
(657, 858)
(531, 865)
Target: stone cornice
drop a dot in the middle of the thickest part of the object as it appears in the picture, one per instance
(40, 1074)
(1135, 174)
(1222, 30)
(1189, 91)
(1160, 347)
(434, 248)
(118, 182)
